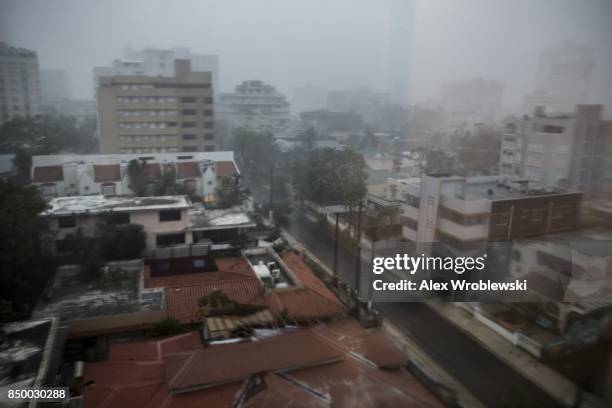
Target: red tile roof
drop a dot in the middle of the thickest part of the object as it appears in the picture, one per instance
(325, 367)
(214, 365)
(155, 349)
(45, 174)
(106, 172)
(182, 302)
(152, 171)
(310, 301)
(228, 269)
(187, 170)
(226, 168)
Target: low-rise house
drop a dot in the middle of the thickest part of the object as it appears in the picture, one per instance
(226, 228)
(107, 174)
(164, 218)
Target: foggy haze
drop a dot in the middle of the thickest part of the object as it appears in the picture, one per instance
(402, 47)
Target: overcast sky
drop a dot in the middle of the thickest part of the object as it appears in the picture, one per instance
(404, 47)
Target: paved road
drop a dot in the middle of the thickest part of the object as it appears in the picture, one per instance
(482, 373)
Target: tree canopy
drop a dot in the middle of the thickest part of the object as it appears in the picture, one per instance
(48, 134)
(20, 228)
(328, 177)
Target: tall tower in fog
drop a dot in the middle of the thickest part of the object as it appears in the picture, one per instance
(563, 78)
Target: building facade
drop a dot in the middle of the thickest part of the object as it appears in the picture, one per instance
(254, 105)
(158, 62)
(561, 149)
(563, 78)
(145, 114)
(475, 100)
(466, 213)
(96, 174)
(19, 83)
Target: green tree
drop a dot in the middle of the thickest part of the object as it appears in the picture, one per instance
(120, 242)
(48, 134)
(136, 173)
(20, 231)
(328, 177)
(228, 192)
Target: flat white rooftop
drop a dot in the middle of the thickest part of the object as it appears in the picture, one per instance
(56, 159)
(201, 218)
(96, 204)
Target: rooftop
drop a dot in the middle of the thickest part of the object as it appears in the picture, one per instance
(24, 353)
(205, 219)
(97, 204)
(120, 291)
(55, 159)
(302, 297)
(339, 364)
(491, 187)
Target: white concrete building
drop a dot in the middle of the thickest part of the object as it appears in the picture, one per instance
(19, 83)
(563, 78)
(164, 219)
(466, 213)
(256, 106)
(107, 174)
(561, 149)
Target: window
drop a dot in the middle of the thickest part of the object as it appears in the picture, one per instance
(188, 124)
(208, 99)
(189, 137)
(190, 149)
(188, 112)
(209, 136)
(188, 99)
(120, 218)
(108, 189)
(170, 239)
(209, 148)
(48, 189)
(66, 222)
(208, 112)
(208, 125)
(169, 215)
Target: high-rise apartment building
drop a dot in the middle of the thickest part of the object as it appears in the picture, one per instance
(254, 105)
(475, 100)
(154, 114)
(561, 149)
(158, 62)
(19, 83)
(563, 78)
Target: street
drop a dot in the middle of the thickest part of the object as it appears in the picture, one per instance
(482, 373)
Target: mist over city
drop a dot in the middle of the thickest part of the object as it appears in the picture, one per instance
(348, 203)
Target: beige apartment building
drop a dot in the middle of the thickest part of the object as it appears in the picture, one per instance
(146, 114)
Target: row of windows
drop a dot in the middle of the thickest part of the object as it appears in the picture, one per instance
(147, 138)
(149, 150)
(207, 148)
(148, 112)
(135, 87)
(146, 125)
(146, 99)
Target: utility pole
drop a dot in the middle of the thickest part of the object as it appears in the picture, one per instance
(336, 243)
(358, 266)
